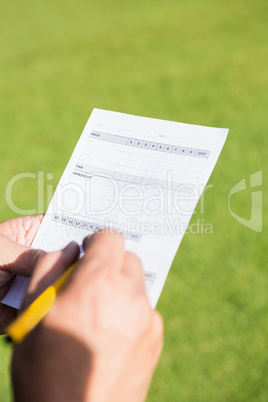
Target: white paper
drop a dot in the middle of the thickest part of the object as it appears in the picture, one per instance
(139, 175)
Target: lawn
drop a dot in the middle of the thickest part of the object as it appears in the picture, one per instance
(201, 62)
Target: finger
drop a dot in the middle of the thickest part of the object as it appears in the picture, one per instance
(49, 268)
(4, 279)
(5, 288)
(7, 315)
(22, 230)
(132, 267)
(16, 259)
(31, 225)
(105, 249)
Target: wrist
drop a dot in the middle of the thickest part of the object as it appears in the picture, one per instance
(50, 366)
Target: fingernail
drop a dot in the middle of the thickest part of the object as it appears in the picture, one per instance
(87, 241)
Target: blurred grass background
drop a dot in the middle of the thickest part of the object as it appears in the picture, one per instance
(202, 62)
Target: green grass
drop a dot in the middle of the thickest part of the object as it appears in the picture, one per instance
(202, 62)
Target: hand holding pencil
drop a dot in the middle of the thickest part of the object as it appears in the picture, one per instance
(101, 340)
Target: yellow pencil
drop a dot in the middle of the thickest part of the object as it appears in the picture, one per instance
(29, 318)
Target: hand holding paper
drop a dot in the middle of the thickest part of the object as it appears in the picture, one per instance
(17, 258)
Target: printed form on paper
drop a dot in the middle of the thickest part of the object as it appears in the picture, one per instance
(140, 176)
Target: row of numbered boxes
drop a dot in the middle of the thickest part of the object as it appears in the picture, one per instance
(174, 149)
(153, 146)
(91, 226)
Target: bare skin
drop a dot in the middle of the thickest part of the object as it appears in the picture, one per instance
(101, 341)
(16, 257)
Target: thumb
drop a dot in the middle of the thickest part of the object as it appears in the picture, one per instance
(16, 259)
(48, 269)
